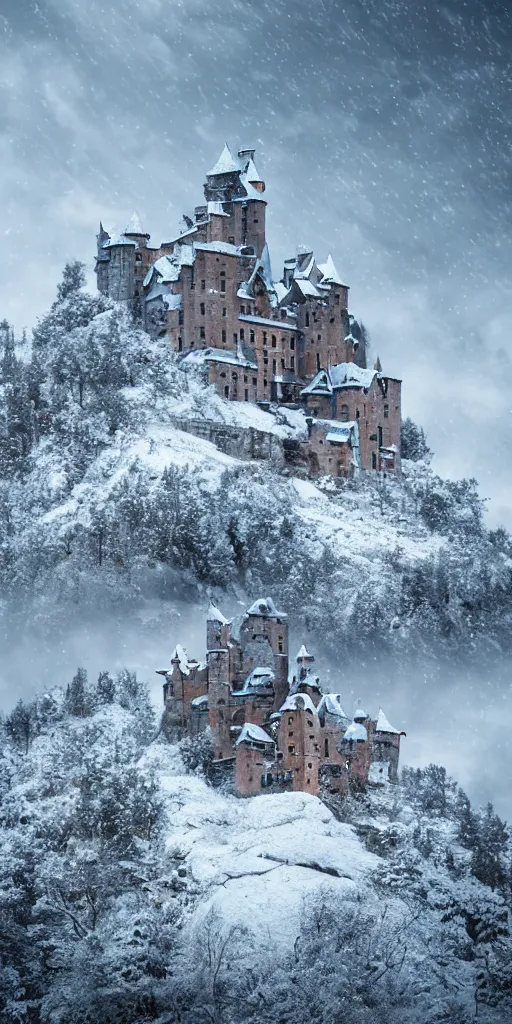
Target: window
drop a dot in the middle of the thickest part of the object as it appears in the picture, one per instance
(344, 413)
(282, 364)
(231, 239)
(310, 764)
(265, 360)
(274, 366)
(357, 414)
(235, 337)
(254, 381)
(203, 285)
(264, 337)
(290, 721)
(318, 360)
(291, 749)
(226, 391)
(326, 747)
(224, 311)
(222, 375)
(246, 394)
(337, 298)
(292, 343)
(274, 341)
(242, 334)
(265, 382)
(223, 281)
(386, 412)
(380, 436)
(292, 362)
(290, 733)
(245, 379)
(202, 308)
(180, 344)
(310, 723)
(234, 376)
(374, 461)
(319, 337)
(255, 221)
(307, 319)
(180, 317)
(242, 309)
(251, 337)
(224, 337)
(202, 332)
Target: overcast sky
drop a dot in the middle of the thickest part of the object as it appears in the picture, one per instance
(383, 129)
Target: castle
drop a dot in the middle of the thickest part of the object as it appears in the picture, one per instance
(272, 733)
(210, 291)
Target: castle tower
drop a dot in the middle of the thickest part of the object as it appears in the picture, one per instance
(230, 190)
(304, 661)
(264, 642)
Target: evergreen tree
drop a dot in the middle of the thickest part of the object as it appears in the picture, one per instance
(21, 725)
(413, 444)
(73, 279)
(78, 698)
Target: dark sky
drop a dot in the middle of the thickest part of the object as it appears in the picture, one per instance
(383, 130)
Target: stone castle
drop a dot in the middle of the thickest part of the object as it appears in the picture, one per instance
(210, 291)
(273, 733)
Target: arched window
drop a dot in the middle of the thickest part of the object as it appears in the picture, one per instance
(344, 413)
(226, 391)
(274, 341)
(223, 281)
(307, 319)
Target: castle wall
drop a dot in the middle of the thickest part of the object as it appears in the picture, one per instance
(240, 442)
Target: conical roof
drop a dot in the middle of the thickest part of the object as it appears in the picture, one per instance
(214, 615)
(134, 226)
(383, 725)
(226, 162)
(329, 273)
(304, 653)
(251, 172)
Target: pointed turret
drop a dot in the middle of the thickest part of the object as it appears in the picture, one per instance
(134, 227)
(225, 164)
(329, 273)
(378, 365)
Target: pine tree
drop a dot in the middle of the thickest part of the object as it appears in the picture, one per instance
(78, 698)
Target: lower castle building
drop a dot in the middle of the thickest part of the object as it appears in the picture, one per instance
(210, 291)
(273, 732)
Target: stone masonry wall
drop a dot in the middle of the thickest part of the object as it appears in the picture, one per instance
(240, 442)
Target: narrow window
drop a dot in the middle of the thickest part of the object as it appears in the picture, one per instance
(242, 334)
(374, 461)
(344, 413)
(264, 337)
(242, 309)
(254, 381)
(318, 360)
(226, 391)
(274, 366)
(274, 341)
(202, 332)
(231, 239)
(292, 362)
(386, 412)
(223, 281)
(224, 311)
(307, 319)
(180, 344)
(235, 338)
(251, 337)
(292, 343)
(202, 308)
(224, 336)
(291, 750)
(203, 285)
(180, 317)
(326, 747)
(246, 394)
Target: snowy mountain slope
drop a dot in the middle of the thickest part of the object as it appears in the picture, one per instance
(101, 492)
(133, 891)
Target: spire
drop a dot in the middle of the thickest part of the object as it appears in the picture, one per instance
(214, 615)
(225, 164)
(383, 725)
(134, 226)
(329, 273)
(378, 365)
(304, 655)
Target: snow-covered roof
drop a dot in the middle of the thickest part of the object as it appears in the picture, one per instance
(342, 375)
(226, 163)
(329, 273)
(356, 731)
(217, 208)
(360, 714)
(134, 226)
(251, 172)
(253, 734)
(120, 240)
(304, 653)
(278, 325)
(293, 703)
(217, 355)
(265, 606)
(263, 269)
(341, 434)
(226, 248)
(179, 654)
(331, 704)
(383, 725)
(260, 676)
(251, 192)
(307, 288)
(214, 615)
(200, 702)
